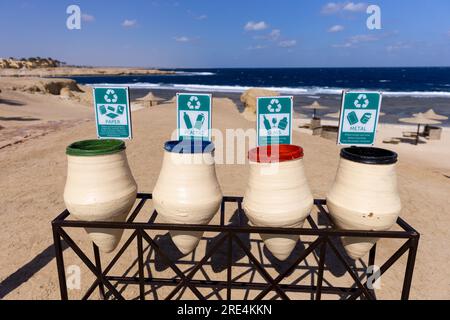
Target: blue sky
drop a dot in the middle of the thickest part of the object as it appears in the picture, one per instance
(250, 33)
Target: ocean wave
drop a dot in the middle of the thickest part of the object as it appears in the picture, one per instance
(189, 73)
(309, 91)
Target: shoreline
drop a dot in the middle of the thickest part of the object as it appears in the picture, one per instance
(81, 72)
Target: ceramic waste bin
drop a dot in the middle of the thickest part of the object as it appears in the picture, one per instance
(187, 190)
(278, 194)
(99, 187)
(364, 195)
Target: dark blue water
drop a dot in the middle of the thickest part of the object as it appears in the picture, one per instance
(419, 82)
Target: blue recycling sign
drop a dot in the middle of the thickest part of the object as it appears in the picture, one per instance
(194, 116)
(274, 120)
(112, 112)
(360, 112)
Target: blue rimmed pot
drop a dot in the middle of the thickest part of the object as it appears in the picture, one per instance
(187, 190)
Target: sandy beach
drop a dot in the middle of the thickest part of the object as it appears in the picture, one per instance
(35, 129)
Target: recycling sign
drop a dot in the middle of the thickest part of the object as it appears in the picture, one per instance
(194, 116)
(112, 113)
(360, 112)
(274, 120)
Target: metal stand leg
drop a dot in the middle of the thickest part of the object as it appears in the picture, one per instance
(60, 264)
(141, 265)
(323, 249)
(373, 253)
(230, 264)
(414, 243)
(98, 264)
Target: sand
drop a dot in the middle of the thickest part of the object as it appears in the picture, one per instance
(33, 176)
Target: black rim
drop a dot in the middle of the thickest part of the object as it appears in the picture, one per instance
(369, 155)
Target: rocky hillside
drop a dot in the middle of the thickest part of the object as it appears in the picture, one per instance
(29, 63)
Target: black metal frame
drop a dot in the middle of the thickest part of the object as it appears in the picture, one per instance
(229, 234)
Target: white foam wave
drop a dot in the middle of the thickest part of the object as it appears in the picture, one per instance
(310, 91)
(189, 73)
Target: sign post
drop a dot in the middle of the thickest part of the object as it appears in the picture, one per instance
(112, 113)
(194, 116)
(274, 120)
(360, 112)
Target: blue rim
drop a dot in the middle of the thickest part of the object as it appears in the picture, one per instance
(189, 146)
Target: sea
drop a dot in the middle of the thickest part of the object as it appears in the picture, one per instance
(405, 90)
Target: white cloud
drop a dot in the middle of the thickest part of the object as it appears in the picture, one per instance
(256, 26)
(202, 17)
(336, 28)
(343, 45)
(87, 17)
(331, 7)
(355, 40)
(364, 38)
(355, 7)
(287, 43)
(274, 34)
(182, 39)
(336, 7)
(398, 46)
(257, 47)
(129, 23)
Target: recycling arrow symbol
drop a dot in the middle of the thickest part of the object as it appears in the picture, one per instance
(274, 106)
(362, 101)
(111, 96)
(194, 103)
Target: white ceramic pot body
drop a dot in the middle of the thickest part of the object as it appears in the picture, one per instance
(278, 195)
(187, 190)
(364, 196)
(100, 188)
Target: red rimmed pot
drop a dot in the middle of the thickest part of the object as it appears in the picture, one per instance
(278, 194)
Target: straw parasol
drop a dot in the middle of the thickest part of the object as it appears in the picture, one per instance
(419, 119)
(315, 106)
(150, 98)
(430, 114)
(173, 100)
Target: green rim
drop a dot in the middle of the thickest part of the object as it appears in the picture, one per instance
(90, 148)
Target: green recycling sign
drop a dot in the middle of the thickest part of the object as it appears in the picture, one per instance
(112, 112)
(360, 112)
(274, 120)
(194, 116)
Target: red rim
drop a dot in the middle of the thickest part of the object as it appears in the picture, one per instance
(276, 153)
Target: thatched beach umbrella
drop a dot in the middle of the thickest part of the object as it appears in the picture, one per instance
(419, 119)
(315, 106)
(173, 100)
(430, 114)
(150, 98)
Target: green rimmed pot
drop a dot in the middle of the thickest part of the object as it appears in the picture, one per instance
(99, 187)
